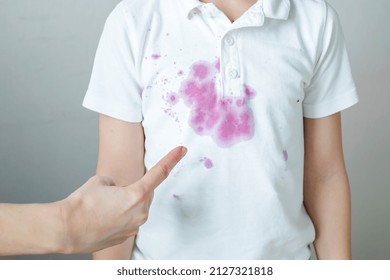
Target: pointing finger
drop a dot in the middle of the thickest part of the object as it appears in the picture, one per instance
(158, 173)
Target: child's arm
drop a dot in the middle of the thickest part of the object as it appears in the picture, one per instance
(121, 157)
(326, 187)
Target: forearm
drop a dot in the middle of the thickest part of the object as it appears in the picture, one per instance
(30, 229)
(328, 204)
(326, 187)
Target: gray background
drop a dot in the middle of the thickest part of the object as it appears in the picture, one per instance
(48, 142)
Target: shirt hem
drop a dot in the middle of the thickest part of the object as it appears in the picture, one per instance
(113, 110)
(331, 107)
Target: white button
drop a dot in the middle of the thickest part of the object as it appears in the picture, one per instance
(229, 41)
(233, 73)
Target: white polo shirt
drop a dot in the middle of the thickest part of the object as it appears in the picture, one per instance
(235, 94)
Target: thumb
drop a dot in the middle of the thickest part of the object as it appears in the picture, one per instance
(158, 173)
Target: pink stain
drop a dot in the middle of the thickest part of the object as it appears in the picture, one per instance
(208, 163)
(156, 56)
(172, 98)
(285, 155)
(180, 73)
(200, 71)
(218, 64)
(249, 92)
(227, 120)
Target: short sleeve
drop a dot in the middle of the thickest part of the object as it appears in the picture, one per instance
(331, 88)
(114, 88)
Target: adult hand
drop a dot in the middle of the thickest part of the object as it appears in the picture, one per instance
(100, 215)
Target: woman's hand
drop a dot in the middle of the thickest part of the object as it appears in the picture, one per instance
(100, 214)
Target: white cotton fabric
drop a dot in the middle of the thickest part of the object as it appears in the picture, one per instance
(235, 94)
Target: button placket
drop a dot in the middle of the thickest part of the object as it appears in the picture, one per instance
(230, 66)
(229, 74)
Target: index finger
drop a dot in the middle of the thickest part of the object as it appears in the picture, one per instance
(158, 173)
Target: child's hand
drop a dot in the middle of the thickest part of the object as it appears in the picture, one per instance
(100, 214)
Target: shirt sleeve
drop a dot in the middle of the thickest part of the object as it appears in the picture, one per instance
(114, 87)
(331, 88)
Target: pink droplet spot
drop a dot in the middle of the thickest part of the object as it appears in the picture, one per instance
(180, 73)
(208, 163)
(156, 56)
(172, 98)
(227, 120)
(249, 92)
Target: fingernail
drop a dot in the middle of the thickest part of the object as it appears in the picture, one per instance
(183, 151)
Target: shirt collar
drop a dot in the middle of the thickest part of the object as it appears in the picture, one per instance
(190, 6)
(276, 9)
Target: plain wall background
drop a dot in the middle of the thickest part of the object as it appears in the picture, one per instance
(48, 142)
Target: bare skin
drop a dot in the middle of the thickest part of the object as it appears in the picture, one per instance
(233, 9)
(96, 216)
(326, 187)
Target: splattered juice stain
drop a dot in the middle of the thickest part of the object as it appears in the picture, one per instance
(208, 163)
(227, 120)
(156, 56)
